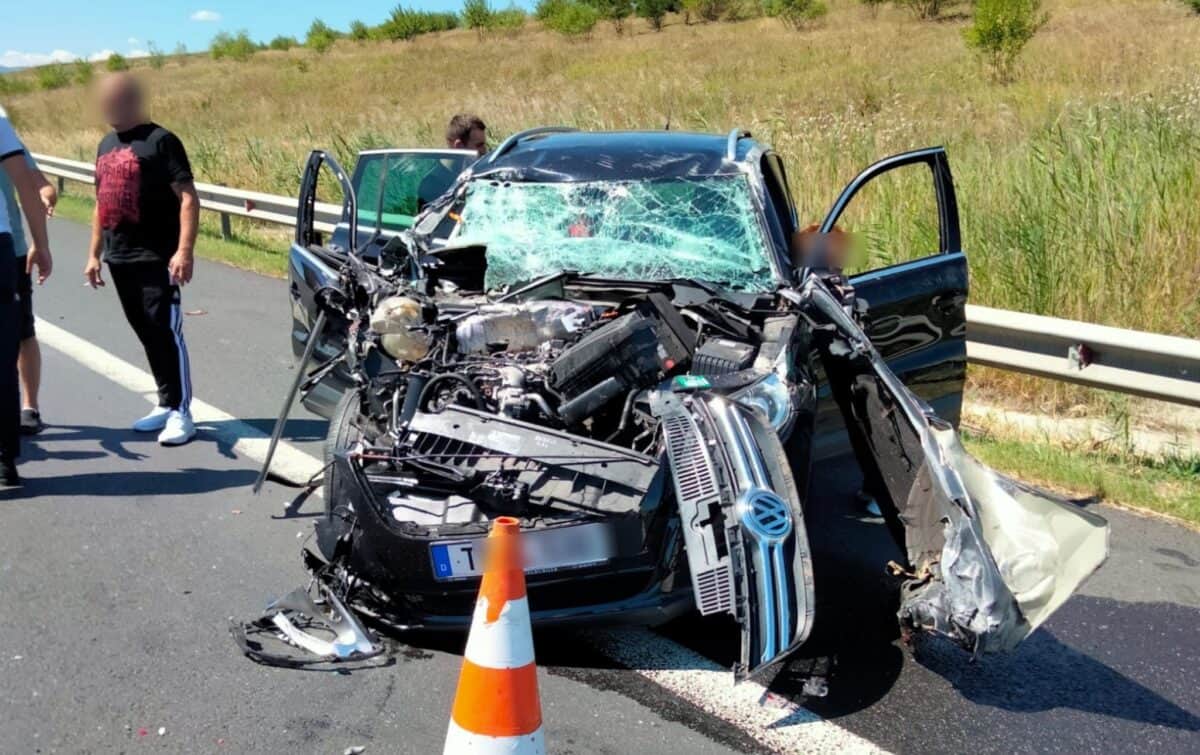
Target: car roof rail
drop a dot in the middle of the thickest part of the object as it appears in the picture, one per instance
(731, 145)
(512, 141)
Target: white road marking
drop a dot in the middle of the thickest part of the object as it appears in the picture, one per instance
(787, 728)
(290, 463)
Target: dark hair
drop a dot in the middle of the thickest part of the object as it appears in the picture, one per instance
(461, 126)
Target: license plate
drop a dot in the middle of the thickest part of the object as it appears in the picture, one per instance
(545, 550)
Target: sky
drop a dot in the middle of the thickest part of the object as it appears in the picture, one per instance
(35, 33)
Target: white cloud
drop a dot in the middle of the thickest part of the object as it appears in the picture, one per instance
(17, 59)
(205, 15)
(101, 55)
(138, 54)
(134, 41)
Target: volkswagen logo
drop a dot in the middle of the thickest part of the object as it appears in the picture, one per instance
(766, 514)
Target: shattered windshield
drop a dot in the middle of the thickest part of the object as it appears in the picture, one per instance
(702, 228)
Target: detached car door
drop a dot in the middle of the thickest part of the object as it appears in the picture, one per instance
(915, 308)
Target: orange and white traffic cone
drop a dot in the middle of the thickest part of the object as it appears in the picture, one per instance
(496, 709)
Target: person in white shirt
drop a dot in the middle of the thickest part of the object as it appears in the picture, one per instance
(13, 163)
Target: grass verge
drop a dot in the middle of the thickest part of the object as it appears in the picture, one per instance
(265, 254)
(1170, 487)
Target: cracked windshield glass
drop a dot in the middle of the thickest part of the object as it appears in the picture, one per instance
(701, 228)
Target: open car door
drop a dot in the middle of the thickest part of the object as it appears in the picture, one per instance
(914, 311)
(988, 558)
(313, 265)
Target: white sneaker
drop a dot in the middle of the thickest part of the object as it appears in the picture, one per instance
(179, 429)
(154, 421)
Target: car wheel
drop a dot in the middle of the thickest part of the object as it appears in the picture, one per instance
(341, 435)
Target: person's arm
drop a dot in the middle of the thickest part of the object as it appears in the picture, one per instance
(92, 270)
(46, 190)
(179, 171)
(13, 157)
(182, 262)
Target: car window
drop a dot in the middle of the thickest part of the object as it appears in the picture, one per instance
(704, 228)
(892, 219)
(392, 187)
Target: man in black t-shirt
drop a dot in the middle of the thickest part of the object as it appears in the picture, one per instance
(144, 227)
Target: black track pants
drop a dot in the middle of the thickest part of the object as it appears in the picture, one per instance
(10, 348)
(151, 304)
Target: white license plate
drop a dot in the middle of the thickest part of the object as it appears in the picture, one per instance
(545, 550)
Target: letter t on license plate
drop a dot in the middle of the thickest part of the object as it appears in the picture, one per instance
(459, 559)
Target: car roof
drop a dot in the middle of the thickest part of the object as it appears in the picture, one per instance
(612, 155)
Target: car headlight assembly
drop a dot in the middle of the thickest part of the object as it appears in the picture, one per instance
(771, 396)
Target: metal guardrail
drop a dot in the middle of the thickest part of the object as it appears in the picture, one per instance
(268, 208)
(1127, 361)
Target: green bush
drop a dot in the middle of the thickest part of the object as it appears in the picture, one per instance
(509, 19)
(653, 11)
(477, 15)
(406, 23)
(320, 36)
(83, 71)
(1193, 4)
(705, 10)
(11, 84)
(1001, 29)
(795, 13)
(574, 19)
(282, 43)
(232, 46)
(157, 58)
(547, 9)
(53, 76)
(614, 11)
(359, 31)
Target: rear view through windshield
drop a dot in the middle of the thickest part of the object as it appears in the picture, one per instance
(702, 228)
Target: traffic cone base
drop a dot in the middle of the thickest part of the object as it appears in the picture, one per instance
(459, 741)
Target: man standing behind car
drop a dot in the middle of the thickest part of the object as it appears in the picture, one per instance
(13, 163)
(144, 225)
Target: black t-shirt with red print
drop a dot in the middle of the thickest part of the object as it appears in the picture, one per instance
(138, 208)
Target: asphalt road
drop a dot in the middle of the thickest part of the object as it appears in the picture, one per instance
(121, 561)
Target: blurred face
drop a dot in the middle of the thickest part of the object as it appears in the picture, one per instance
(476, 142)
(120, 102)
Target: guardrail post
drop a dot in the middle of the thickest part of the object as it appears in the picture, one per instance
(226, 230)
(62, 186)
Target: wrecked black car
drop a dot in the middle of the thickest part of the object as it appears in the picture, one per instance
(606, 335)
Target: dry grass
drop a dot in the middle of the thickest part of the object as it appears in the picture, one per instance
(1077, 184)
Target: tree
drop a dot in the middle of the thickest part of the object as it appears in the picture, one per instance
(653, 11)
(547, 9)
(53, 76)
(157, 58)
(477, 15)
(320, 36)
(116, 62)
(233, 46)
(796, 13)
(282, 43)
(359, 31)
(83, 71)
(509, 19)
(1001, 29)
(574, 19)
(705, 10)
(615, 11)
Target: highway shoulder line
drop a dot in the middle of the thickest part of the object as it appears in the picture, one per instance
(681, 672)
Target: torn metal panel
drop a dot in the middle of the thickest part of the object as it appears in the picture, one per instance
(989, 559)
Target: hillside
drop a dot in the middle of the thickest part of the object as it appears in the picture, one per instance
(1078, 184)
